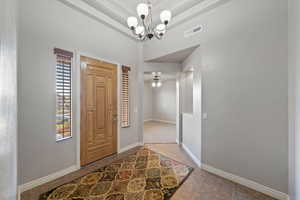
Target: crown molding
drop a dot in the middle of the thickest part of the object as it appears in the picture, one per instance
(122, 6)
(195, 10)
(112, 9)
(99, 16)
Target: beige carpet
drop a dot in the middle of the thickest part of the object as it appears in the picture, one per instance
(158, 132)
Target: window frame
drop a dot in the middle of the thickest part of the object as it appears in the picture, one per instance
(69, 55)
(125, 69)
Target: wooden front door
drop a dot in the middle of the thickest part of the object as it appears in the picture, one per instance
(98, 128)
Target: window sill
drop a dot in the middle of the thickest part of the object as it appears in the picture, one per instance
(63, 139)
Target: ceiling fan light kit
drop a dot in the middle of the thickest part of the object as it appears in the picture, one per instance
(147, 30)
(156, 79)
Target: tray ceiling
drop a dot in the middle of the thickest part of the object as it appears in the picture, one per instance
(116, 12)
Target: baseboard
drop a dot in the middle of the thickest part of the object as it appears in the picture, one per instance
(56, 175)
(130, 147)
(193, 157)
(163, 121)
(248, 183)
(148, 120)
(45, 179)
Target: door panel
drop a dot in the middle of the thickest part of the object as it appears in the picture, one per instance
(98, 110)
(90, 127)
(100, 107)
(90, 88)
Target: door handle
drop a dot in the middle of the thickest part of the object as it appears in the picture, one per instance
(115, 119)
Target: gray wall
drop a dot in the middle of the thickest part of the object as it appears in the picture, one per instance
(187, 92)
(140, 94)
(148, 101)
(8, 101)
(45, 24)
(165, 68)
(294, 98)
(245, 79)
(160, 103)
(167, 112)
(164, 101)
(192, 114)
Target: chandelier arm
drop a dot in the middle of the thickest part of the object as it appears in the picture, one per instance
(133, 31)
(145, 27)
(144, 38)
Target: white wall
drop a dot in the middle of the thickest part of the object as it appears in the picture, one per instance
(45, 24)
(294, 98)
(8, 101)
(148, 101)
(244, 79)
(164, 102)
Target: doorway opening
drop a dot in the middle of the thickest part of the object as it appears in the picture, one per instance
(169, 110)
(160, 102)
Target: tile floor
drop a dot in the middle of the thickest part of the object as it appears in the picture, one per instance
(200, 185)
(158, 132)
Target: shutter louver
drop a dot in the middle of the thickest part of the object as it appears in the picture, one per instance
(63, 94)
(125, 115)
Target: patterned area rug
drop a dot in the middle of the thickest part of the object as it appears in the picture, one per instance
(144, 175)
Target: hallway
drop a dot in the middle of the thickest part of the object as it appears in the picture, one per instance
(159, 132)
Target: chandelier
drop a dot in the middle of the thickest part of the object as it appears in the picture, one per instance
(156, 82)
(147, 30)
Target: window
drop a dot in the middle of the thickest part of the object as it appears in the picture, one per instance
(125, 115)
(63, 94)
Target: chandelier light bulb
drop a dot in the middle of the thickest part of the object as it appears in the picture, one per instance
(165, 16)
(143, 10)
(132, 22)
(159, 84)
(140, 30)
(153, 84)
(161, 27)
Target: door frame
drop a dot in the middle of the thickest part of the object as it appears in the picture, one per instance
(77, 102)
(178, 110)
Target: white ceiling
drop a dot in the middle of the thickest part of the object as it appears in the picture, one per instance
(176, 57)
(116, 12)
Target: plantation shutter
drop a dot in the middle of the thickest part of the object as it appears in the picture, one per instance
(125, 108)
(63, 93)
